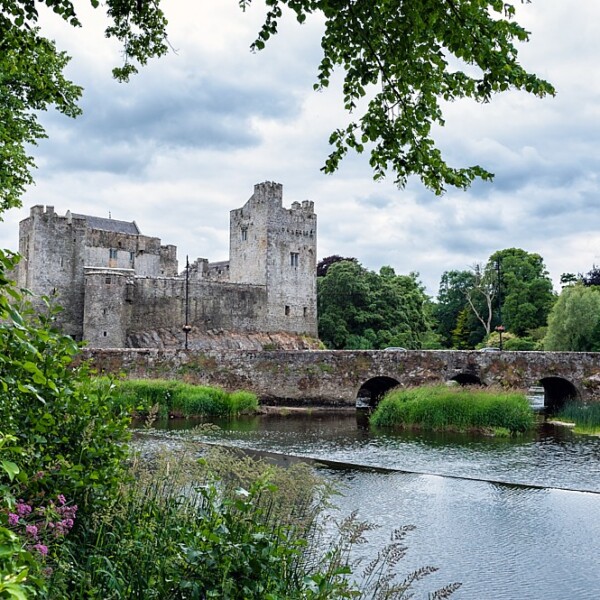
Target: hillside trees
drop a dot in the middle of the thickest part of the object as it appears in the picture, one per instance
(359, 308)
(404, 57)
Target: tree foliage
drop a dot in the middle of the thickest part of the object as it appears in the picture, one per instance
(574, 321)
(512, 289)
(325, 263)
(32, 79)
(403, 59)
(359, 308)
(525, 288)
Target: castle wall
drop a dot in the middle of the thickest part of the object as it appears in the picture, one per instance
(291, 269)
(115, 284)
(277, 247)
(160, 304)
(107, 307)
(52, 250)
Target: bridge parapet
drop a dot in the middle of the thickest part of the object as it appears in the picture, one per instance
(335, 377)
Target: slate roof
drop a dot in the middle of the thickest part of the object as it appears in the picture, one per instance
(113, 225)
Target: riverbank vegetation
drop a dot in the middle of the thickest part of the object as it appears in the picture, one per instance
(585, 417)
(455, 409)
(82, 517)
(174, 398)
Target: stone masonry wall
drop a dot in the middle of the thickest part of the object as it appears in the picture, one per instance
(334, 378)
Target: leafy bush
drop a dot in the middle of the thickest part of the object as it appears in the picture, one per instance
(62, 427)
(69, 431)
(442, 407)
(174, 397)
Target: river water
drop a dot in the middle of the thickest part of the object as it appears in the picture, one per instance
(511, 519)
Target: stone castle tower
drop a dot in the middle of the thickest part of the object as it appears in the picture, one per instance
(120, 288)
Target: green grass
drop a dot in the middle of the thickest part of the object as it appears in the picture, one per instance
(182, 399)
(585, 417)
(441, 408)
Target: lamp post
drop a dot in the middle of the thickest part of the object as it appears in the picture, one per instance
(187, 328)
(500, 327)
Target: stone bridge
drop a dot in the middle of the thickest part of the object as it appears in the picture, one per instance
(340, 377)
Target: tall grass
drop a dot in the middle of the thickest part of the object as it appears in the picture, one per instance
(585, 417)
(224, 527)
(177, 398)
(459, 409)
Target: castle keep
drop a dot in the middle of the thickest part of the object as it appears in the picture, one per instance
(120, 288)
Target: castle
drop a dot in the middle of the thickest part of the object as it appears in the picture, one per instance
(119, 288)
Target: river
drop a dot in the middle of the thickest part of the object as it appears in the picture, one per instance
(509, 518)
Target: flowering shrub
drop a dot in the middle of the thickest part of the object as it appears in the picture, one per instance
(42, 526)
(70, 432)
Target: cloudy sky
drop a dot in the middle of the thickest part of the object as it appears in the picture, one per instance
(185, 141)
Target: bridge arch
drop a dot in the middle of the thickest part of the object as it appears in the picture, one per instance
(467, 379)
(557, 392)
(373, 390)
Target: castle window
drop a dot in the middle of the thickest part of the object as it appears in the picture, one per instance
(104, 333)
(107, 280)
(305, 311)
(244, 234)
(287, 311)
(112, 253)
(294, 259)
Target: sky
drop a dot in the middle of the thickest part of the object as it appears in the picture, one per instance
(184, 142)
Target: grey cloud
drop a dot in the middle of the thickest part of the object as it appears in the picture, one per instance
(120, 131)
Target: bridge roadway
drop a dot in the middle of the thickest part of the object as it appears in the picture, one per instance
(340, 377)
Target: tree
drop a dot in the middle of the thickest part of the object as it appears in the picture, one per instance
(452, 307)
(325, 263)
(480, 296)
(359, 308)
(592, 277)
(32, 79)
(525, 289)
(574, 321)
(404, 55)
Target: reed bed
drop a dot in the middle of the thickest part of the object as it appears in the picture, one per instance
(182, 399)
(456, 409)
(585, 417)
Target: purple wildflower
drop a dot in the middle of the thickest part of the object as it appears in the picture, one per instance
(22, 508)
(43, 550)
(31, 530)
(62, 500)
(13, 519)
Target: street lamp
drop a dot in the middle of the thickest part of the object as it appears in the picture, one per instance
(187, 328)
(500, 329)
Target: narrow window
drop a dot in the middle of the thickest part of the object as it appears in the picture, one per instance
(244, 234)
(104, 333)
(112, 253)
(305, 311)
(287, 311)
(294, 259)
